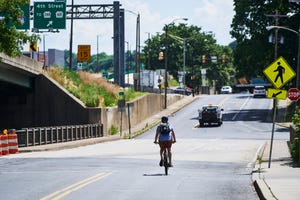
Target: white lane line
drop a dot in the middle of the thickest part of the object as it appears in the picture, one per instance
(76, 186)
(241, 108)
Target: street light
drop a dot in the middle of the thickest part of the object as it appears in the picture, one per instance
(166, 57)
(183, 40)
(137, 83)
(298, 57)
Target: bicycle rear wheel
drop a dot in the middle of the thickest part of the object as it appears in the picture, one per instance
(166, 165)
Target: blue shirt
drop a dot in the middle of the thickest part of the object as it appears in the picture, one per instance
(164, 137)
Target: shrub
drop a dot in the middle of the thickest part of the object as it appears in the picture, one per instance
(296, 119)
(113, 130)
(92, 90)
(295, 149)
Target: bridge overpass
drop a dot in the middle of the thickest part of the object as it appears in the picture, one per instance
(28, 98)
(17, 74)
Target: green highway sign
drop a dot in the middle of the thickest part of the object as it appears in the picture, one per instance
(25, 18)
(49, 15)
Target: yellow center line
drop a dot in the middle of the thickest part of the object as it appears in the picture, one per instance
(74, 187)
(223, 101)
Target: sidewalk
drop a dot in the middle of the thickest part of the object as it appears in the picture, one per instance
(136, 130)
(282, 179)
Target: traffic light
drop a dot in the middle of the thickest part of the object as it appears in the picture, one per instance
(161, 55)
(203, 58)
(223, 57)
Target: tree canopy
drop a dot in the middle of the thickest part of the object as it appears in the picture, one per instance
(11, 39)
(197, 43)
(253, 50)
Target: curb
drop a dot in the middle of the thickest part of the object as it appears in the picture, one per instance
(68, 145)
(256, 171)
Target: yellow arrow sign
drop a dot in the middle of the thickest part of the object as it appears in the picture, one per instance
(277, 94)
(279, 72)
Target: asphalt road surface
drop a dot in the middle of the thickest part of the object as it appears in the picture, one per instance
(209, 162)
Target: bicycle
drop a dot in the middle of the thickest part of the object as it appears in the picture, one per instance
(165, 161)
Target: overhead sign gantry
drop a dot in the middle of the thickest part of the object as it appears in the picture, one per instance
(51, 16)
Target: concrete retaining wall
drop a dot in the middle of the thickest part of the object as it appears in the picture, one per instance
(139, 110)
(49, 104)
(55, 106)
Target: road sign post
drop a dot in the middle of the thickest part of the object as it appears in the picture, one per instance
(294, 94)
(278, 73)
(49, 15)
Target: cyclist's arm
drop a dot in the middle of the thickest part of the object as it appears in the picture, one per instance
(156, 136)
(173, 136)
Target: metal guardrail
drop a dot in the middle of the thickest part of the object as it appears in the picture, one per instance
(49, 135)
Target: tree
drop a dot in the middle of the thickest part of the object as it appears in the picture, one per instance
(12, 40)
(253, 52)
(197, 43)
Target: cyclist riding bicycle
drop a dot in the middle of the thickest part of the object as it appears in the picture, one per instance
(166, 137)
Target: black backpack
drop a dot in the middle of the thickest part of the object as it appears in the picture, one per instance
(164, 129)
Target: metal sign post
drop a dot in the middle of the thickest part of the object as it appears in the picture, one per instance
(278, 73)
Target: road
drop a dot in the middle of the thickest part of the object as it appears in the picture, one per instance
(209, 162)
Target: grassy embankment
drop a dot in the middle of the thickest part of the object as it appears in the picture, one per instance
(92, 90)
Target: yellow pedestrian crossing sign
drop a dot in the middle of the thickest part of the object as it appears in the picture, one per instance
(279, 72)
(276, 94)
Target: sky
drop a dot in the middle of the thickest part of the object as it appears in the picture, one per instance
(211, 15)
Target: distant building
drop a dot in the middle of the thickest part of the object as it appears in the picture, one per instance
(53, 57)
(56, 57)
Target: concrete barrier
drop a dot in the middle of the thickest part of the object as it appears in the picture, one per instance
(294, 134)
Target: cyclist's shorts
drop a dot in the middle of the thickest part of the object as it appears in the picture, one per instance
(165, 144)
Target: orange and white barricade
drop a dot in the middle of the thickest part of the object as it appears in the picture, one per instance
(0, 146)
(4, 143)
(13, 142)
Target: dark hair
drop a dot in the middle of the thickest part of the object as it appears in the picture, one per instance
(164, 119)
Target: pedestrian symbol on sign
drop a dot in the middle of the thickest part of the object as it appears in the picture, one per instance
(279, 72)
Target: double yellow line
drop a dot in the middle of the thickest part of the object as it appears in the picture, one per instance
(76, 186)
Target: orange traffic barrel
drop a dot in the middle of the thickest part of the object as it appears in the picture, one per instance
(13, 142)
(4, 143)
(0, 147)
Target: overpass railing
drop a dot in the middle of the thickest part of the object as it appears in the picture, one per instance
(57, 134)
(22, 62)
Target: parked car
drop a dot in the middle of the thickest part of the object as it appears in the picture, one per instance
(210, 114)
(184, 91)
(226, 89)
(259, 91)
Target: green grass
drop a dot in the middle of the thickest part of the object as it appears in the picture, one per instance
(92, 91)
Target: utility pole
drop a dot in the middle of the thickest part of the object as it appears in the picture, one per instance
(277, 16)
(71, 38)
(149, 67)
(97, 67)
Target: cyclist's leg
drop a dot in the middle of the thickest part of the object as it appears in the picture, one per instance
(162, 148)
(169, 147)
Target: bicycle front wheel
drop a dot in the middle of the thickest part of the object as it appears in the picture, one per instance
(166, 165)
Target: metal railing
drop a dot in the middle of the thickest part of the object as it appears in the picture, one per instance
(49, 135)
